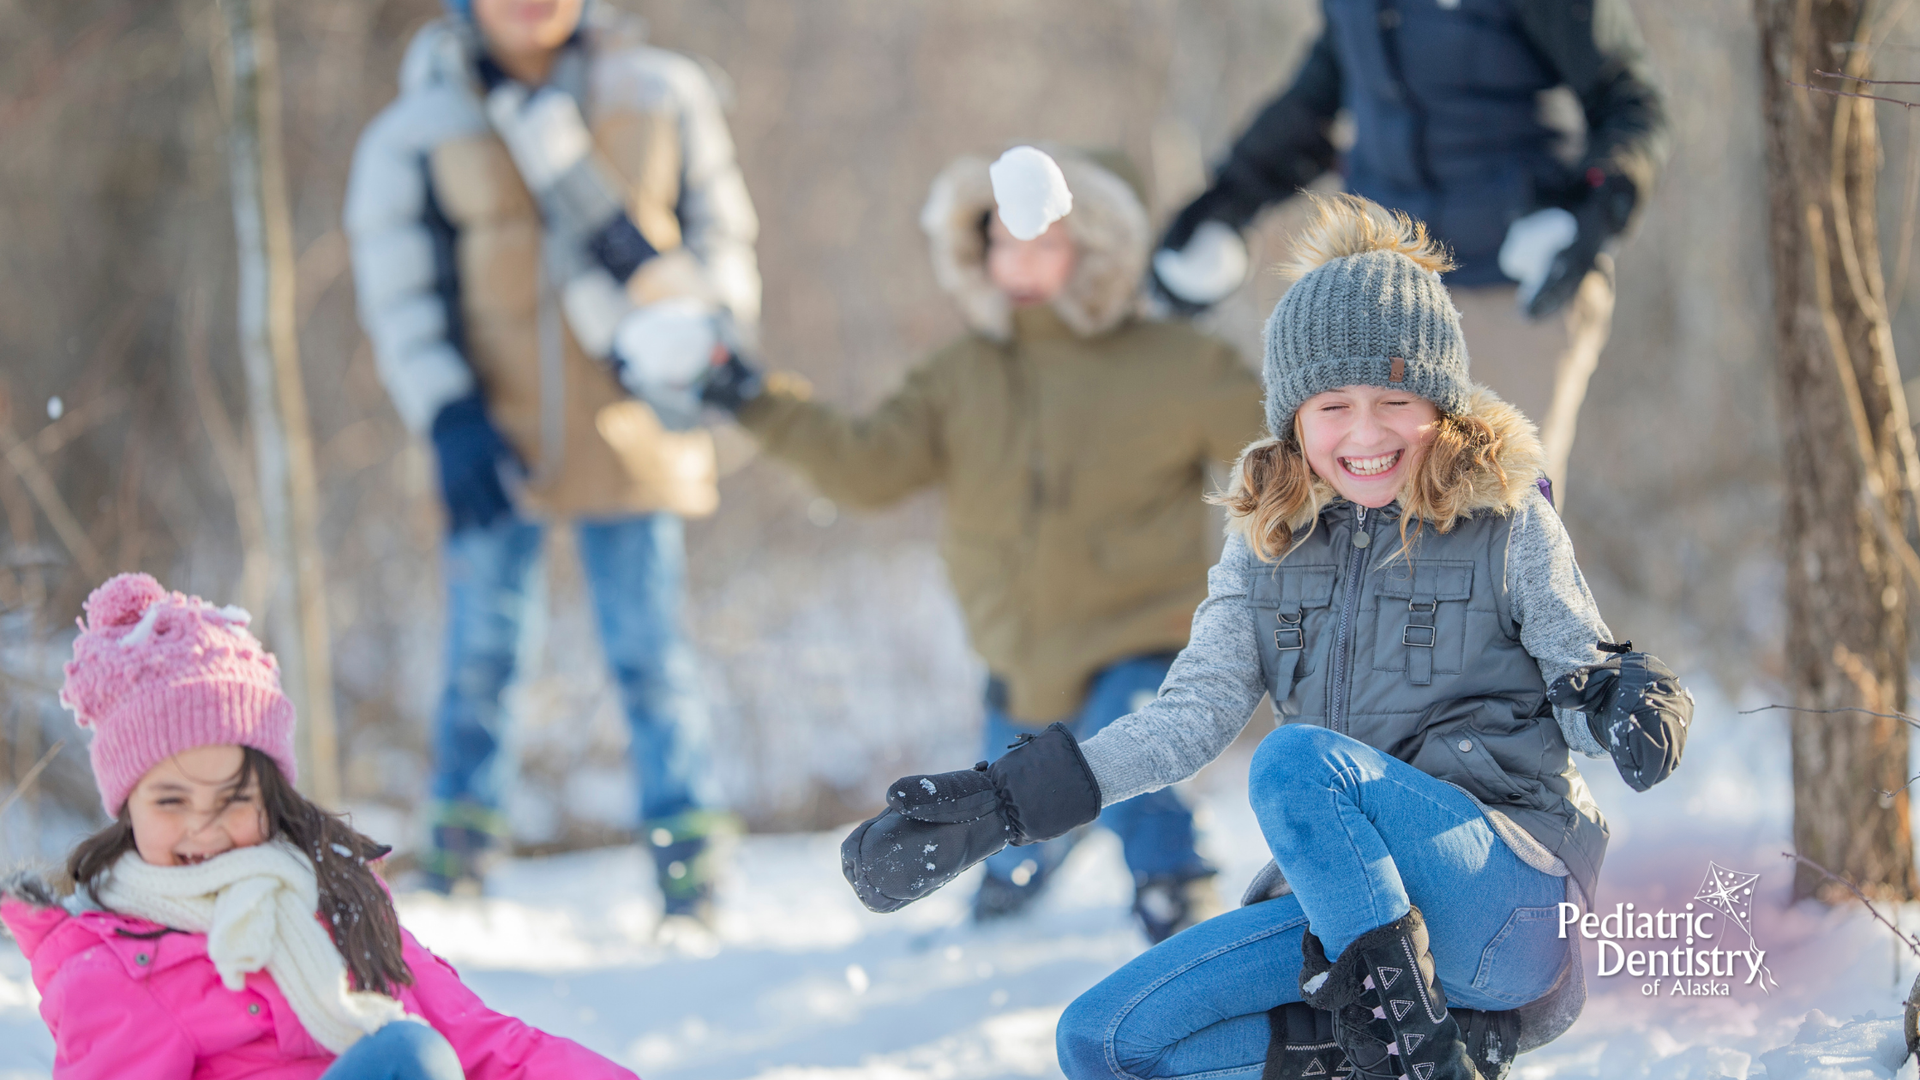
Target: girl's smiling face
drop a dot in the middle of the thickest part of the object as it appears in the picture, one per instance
(192, 806)
(1363, 439)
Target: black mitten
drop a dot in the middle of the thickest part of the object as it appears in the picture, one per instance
(937, 826)
(1600, 215)
(472, 454)
(1635, 707)
(732, 383)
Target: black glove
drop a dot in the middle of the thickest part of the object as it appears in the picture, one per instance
(732, 383)
(1600, 216)
(1635, 707)
(471, 454)
(935, 827)
(1224, 203)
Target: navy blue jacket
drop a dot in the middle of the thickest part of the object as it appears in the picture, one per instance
(1444, 96)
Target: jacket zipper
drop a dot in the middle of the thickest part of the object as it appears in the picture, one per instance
(1339, 685)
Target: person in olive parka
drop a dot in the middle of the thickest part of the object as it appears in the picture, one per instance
(1072, 439)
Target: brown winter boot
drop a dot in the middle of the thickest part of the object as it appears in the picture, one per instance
(1389, 1012)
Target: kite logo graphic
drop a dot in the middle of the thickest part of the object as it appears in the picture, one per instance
(1692, 949)
(1731, 892)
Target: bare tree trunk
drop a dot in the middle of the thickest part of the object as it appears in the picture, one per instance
(277, 406)
(1848, 454)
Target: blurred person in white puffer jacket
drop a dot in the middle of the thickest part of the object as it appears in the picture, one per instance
(549, 208)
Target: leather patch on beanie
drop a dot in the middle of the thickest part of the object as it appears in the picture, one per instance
(1398, 371)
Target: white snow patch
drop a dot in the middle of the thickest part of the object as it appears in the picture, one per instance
(1030, 191)
(1826, 1049)
(569, 944)
(928, 784)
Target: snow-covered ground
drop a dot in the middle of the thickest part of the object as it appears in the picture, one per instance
(803, 984)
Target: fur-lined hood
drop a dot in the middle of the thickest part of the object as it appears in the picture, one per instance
(1108, 225)
(1502, 484)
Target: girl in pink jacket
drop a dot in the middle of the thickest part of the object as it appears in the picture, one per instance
(223, 926)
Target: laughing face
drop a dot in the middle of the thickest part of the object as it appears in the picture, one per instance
(1363, 440)
(191, 807)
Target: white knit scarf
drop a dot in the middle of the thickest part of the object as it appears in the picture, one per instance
(257, 906)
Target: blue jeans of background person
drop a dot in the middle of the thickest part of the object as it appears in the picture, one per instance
(636, 574)
(1155, 829)
(402, 1050)
(1360, 835)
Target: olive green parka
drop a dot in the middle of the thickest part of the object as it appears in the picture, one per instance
(1072, 442)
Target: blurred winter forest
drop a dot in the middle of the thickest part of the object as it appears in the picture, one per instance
(834, 656)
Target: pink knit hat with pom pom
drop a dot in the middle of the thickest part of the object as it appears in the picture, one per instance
(155, 673)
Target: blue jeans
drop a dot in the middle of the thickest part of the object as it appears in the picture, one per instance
(403, 1050)
(1360, 835)
(1155, 829)
(636, 571)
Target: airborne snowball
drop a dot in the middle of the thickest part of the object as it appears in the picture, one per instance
(1030, 190)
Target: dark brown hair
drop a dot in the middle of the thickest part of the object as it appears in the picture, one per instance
(354, 904)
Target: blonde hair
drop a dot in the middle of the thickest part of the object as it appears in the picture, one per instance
(1343, 225)
(1275, 496)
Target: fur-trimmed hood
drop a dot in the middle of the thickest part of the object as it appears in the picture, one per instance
(1108, 225)
(1503, 483)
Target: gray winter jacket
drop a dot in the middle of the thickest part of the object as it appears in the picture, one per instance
(1440, 655)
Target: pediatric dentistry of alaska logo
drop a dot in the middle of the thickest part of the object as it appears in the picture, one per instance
(1688, 959)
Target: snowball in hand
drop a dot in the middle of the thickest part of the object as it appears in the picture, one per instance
(1030, 191)
(1526, 255)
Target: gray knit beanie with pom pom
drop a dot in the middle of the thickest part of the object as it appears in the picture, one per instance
(1366, 313)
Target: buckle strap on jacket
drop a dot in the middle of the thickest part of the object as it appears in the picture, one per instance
(1419, 635)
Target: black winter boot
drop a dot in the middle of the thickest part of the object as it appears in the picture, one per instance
(1492, 1038)
(1302, 1046)
(1389, 1012)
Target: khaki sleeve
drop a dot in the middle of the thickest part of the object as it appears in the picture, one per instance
(869, 461)
(1232, 411)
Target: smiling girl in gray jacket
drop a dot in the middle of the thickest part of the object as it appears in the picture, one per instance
(1396, 578)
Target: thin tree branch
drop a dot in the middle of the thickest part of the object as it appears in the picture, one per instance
(1849, 93)
(1912, 943)
(1903, 717)
(1870, 82)
(1890, 794)
(26, 465)
(33, 774)
(77, 422)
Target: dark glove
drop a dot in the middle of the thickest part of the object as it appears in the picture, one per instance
(732, 383)
(1600, 216)
(471, 454)
(1223, 203)
(1635, 708)
(937, 826)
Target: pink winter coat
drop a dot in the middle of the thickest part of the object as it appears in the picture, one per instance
(128, 1000)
